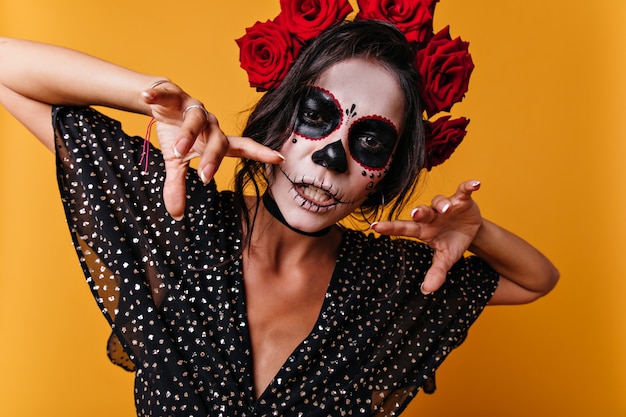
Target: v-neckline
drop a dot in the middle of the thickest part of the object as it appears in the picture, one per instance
(322, 318)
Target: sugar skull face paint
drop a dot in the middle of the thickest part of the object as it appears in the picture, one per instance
(371, 139)
(345, 134)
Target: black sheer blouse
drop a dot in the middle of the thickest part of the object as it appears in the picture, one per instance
(173, 294)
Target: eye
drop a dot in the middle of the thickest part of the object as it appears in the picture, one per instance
(318, 115)
(372, 141)
(313, 117)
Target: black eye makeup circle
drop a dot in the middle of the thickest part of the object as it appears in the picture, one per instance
(372, 140)
(319, 114)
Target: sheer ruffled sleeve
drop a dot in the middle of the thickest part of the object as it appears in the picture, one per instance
(132, 252)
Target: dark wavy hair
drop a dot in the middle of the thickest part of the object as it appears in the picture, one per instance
(272, 119)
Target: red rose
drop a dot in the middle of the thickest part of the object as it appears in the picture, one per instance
(442, 138)
(266, 52)
(306, 19)
(445, 66)
(413, 17)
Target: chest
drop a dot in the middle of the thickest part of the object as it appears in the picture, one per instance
(282, 310)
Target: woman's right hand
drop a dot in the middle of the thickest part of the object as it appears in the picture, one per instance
(187, 131)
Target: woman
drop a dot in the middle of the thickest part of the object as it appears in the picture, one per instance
(258, 303)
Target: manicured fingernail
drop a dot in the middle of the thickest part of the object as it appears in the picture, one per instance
(476, 183)
(415, 210)
(445, 208)
(422, 290)
(181, 145)
(146, 94)
(280, 155)
(203, 177)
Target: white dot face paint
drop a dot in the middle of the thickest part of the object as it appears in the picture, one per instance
(344, 138)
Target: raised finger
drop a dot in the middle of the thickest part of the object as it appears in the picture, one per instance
(195, 120)
(466, 188)
(165, 94)
(243, 147)
(423, 214)
(441, 203)
(397, 228)
(436, 274)
(174, 189)
(214, 151)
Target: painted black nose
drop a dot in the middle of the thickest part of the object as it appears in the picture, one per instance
(332, 156)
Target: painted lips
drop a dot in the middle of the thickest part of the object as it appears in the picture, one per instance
(315, 195)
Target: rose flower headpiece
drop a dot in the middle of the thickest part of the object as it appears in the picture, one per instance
(269, 49)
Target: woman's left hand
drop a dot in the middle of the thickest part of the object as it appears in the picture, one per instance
(186, 130)
(448, 226)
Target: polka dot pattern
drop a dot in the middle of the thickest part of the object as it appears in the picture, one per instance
(173, 294)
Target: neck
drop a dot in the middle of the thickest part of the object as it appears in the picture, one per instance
(279, 247)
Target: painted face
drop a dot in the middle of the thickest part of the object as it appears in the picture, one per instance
(344, 138)
(371, 139)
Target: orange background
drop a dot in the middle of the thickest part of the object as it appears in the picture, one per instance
(547, 139)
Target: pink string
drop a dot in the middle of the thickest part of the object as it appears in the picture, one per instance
(145, 153)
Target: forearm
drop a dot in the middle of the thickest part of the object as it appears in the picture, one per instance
(526, 274)
(55, 75)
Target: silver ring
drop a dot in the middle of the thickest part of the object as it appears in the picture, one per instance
(154, 84)
(196, 106)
